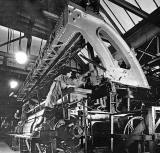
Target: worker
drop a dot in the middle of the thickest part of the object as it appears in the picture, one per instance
(65, 80)
(5, 123)
(28, 105)
(17, 115)
(59, 84)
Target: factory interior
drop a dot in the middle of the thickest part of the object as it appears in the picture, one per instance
(80, 76)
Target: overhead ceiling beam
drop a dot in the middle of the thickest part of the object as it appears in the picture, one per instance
(129, 7)
(13, 70)
(9, 55)
(13, 40)
(37, 24)
(144, 30)
(22, 25)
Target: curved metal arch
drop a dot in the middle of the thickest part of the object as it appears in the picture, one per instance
(89, 25)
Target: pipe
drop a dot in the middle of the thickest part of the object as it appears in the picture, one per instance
(142, 35)
(144, 31)
(13, 40)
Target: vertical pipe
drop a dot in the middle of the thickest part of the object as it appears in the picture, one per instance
(20, 35)
(158, 47)
(151, 123)
(112, 132)
(85, 124)
(128, 99)
(53, 145)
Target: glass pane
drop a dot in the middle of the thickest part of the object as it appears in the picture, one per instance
(132, 2)
(147, 5)
(158, 2)
(113, 18)
(135, 18)
(122, 16)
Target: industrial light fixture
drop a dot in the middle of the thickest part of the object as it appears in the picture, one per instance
(13, 84)
(11, 94)
(21, 57)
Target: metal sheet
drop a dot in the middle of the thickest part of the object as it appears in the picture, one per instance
(89, 26)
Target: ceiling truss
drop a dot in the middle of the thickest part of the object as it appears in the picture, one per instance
(129, 7)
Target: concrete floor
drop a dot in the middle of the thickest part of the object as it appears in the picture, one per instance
(4, 148)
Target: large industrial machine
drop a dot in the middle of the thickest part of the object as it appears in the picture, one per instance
(111, 112)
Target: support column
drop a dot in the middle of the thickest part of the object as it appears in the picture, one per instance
(151, 123)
